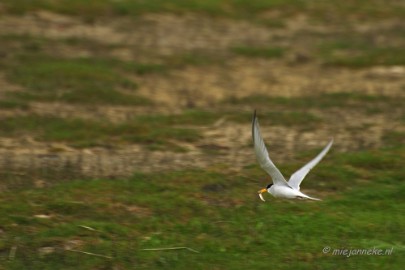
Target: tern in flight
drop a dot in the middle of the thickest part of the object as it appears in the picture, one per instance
(280, 188)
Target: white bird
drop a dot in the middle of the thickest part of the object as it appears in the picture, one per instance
(280, 187)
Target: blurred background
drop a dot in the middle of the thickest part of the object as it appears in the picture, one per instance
(125, 125)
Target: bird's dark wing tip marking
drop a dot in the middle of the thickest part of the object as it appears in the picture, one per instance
(254, 116)
(253, 125)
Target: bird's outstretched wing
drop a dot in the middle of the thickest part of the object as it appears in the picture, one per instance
(298, 176)
(263, 156)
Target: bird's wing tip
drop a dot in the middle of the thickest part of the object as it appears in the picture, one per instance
(254, 119)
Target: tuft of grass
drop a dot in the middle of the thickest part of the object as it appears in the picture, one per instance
(262, 52)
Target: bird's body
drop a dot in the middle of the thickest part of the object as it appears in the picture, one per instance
(285, 192)
(280, 187)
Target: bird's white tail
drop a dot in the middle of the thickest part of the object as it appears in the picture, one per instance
(304, 196)
(314, 199)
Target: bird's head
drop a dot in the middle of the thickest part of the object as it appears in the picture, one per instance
(263, 191)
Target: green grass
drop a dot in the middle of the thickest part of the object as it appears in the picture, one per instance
(368, 57)
(107, 7)
(361, 51)
(156, 131)
(320, 10)
(209, 117)
(261, 52)
(46, 76)
(92, 9)
(195, 58)
(273, 23)
(34, 48)
(144, 68)
(72, 80)
(394, 138)
(12, 103)
(214, 212)
(302, 120)
(345, 100)
(85, 133)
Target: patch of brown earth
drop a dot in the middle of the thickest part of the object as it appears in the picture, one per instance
(242, 77)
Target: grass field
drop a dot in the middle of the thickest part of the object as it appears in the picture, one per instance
(125, 134)
(216, 215)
